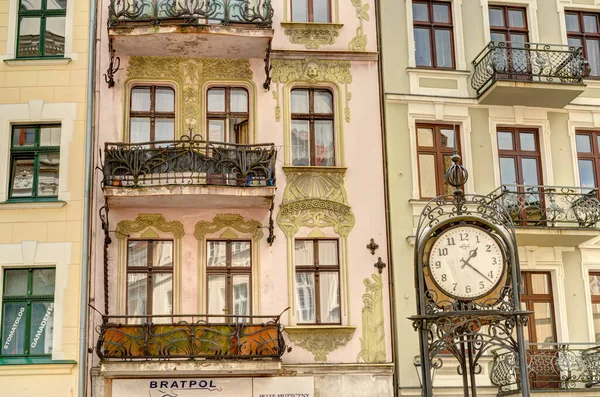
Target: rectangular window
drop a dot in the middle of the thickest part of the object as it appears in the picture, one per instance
(149, 278)
(583, 31)
(152, 114)
(433, 31)
(229, 277)
(312, 127)
(35, 161)
(317, 282)
(27, 312)
(311, 11)
(509, 24)
(227, 115)
(595, 294)
(41, 28)
(588, 158)
(536, 296)
(435, 145)
(520, 160)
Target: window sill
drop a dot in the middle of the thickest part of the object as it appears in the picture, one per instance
(37, 365)
(31, 204)
(447, 71)
(37, 61)
(294, 168)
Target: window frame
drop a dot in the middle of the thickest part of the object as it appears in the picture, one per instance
(42, 13)
(432, 26)
(518, 154)
(594, 300)
(152, 114)
(506, 29)
(310, 11)
(438, 151)
(227, 115)
(316, 269)
(593, 156)
(529, 298)
(582, 34)
(28, 152)
(28, 298)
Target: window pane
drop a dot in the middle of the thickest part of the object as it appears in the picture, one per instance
(140, 99)
(496, 17)
(595, 284)
(447, 138)
(527, 141)
(324, 148)
(299, 10)
(584, 143)
(323, 102)
(217, 253)
(241, 294)
(55, 36)
(239, 100)
(50, 136)
(508, 171)
(300, 143)
(42, 327)
(216, 130)
(165, 130)
(496, 37)
(137, 253)
(516, 18)
(304, 253)
(574, 42)
(13, 328)
(590, 23)
(43, 281)
(15, 282)
(427, 175)
(140, 130)
(299, 100)
(31, 4)
(420, 12)
(216, 294)
(22, 178)
(598, 140)
(587, 178)
(441, 13)
(23, 136)
(162, 294)
(530, 171)
(443, 48)
(240, 253)
(321, 10)
(572, 22)
(593, 55)
(162, 253)
(596, 317)
(216, 100)
(56, 4)
(329, 294)
(425, 137)
(328, 253)
(165, 99)
(544, 322)
(137, 285)
(48, 174)
(29, 37)
(540, 283)
(447, 162)
(505, 141)
(422, 47)
(305, 297)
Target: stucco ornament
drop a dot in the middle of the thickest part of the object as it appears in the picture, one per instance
(190, 74)
(359, 42)
(233, 221)
(144, 221)
(312, 71)
(312, 35)
(373, 331)
(320, 341)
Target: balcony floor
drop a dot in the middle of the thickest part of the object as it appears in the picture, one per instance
(524, 93)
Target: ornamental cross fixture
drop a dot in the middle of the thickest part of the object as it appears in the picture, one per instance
(372, 246)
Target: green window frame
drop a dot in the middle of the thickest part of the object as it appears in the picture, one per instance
(41, 23)
(34, 162)
(27, 312)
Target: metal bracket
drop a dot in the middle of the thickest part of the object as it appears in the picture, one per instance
(271, 227)
(103, 213)
(379, 265)
(372, 246)
(112, 69)
(268, 68)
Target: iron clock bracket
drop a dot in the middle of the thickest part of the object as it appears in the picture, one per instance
(268, 68)
(114, 65)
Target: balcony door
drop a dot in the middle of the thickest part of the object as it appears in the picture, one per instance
(509, 24)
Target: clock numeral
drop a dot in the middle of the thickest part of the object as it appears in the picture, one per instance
(444, 277)
(438, 264)
(477, 238)
(451, 241)
(468, 289)
(481, 285)
(494, 260)
(443, 251)
(488, 248)
(464, 237)
(491, 274)
(454, 286)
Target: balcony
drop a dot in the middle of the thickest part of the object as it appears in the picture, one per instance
(529, 74)
(191, 28)
(226, 337)
(189, 173)
(551, 367)
(560, 215)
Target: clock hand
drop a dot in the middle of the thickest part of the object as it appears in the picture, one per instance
(472, 254)
(482, 275)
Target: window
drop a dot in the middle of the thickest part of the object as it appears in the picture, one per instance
(35, 161)
(582, 31)
(27, 312)
(435, 145)
(433, 31)
(229, 272)
(312, 127)
(595, 294)
(149, 278)
(227, 114)
(588, 157)
(509, 24)
(152, 114)
(41, 28)
(519, 154)
(311, 11)
(536, 296)
(317, 282)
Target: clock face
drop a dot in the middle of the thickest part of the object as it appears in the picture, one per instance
(466, 262)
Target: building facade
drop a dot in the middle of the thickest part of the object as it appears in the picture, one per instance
(231, 219)
(467, 75)
(43, 79)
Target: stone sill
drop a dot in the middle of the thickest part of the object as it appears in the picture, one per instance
(189, 368)
(27, 369)
(325, 170)
(312, 25)
(37, 62)
(26, 205)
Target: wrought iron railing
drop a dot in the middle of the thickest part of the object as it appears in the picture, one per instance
(528, 62)
(191, 12)
(550, 366)
(190, 336)
(550, 206)
(188, 161)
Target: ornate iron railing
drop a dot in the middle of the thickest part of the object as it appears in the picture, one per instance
(190, 336)
(550, 366)
(528, 62)
(190, 12)
(550, 206)
(188, 161)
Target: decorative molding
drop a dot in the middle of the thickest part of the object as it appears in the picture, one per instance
(320, 340)
(143, 221)
(312, 35)
(373, 328)
(359, 42)
(233, 221)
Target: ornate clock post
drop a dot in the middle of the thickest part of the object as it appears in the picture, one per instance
(467, 283)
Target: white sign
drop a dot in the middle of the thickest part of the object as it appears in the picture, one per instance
(284, 387)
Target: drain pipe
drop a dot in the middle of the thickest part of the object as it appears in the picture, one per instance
(85, 242)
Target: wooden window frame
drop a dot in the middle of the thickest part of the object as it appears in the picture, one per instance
(528, 297)
(594, 156)
(518, 154)
(152, 114)
(506, 30)
(229, 271)
(582, 35)
(317, 269)
(149, 270)
(438, 151)
(227, 115)
(432, 26)
(311, 116)
(310, 11)
(43, 13)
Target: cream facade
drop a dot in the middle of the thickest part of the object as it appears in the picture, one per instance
(236, 144)
(521, 116)
(43, 77)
